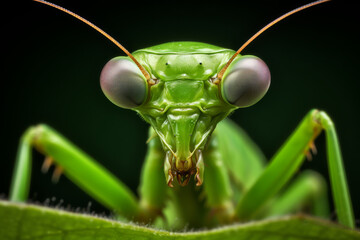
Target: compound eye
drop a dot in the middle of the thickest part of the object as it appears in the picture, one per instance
(123, 83)
(246, 82)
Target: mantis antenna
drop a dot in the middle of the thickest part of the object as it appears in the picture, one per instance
(222, 71)
(142, 69)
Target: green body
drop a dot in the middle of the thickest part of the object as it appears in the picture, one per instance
(189, 136)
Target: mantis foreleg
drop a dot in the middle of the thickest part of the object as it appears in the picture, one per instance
(288, 159)
(153, 187)
(217, 185)
(84, 171)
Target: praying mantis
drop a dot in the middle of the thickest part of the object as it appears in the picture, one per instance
(177, 169)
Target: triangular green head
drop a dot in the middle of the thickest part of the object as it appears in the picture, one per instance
(184, 100)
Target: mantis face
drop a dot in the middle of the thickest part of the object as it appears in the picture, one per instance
(185, 100)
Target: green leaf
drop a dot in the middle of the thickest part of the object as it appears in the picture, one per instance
(24, 221)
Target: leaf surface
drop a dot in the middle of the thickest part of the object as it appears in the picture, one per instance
(24, 221)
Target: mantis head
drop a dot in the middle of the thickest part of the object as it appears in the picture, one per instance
(184, 100)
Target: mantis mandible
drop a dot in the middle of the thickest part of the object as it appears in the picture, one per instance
(196, 157)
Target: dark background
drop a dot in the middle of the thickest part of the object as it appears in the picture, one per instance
(52, 64)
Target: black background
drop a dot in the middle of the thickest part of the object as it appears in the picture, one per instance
(52, 64)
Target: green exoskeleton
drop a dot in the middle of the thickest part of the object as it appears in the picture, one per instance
(201, 169)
